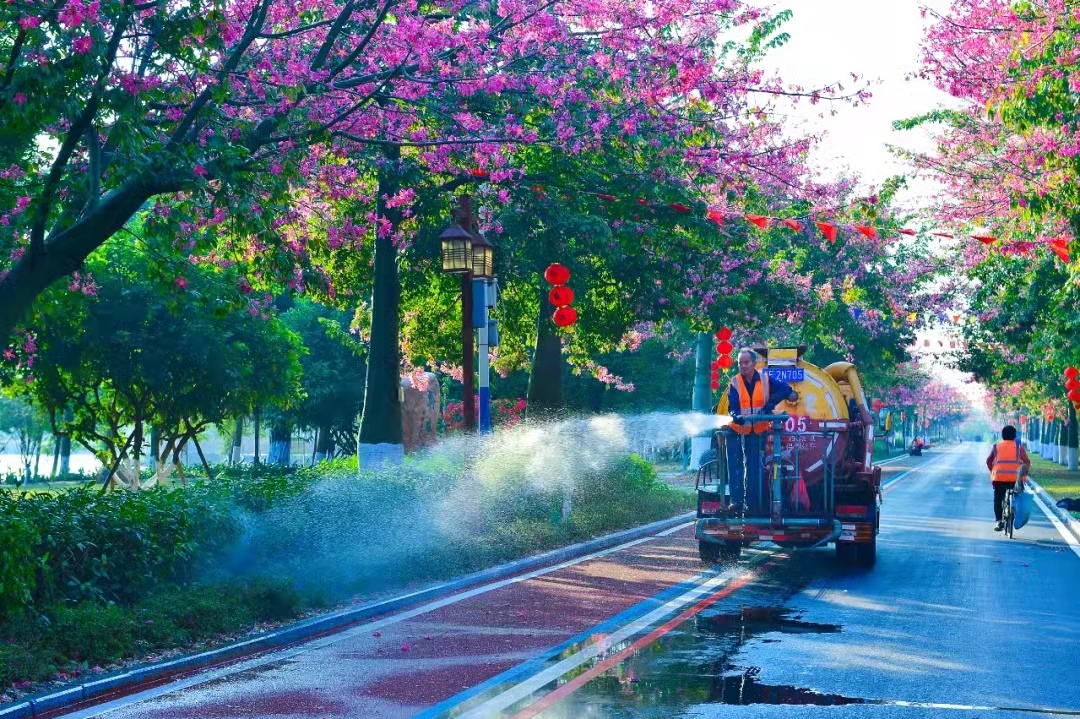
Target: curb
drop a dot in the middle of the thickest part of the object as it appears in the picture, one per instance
(1063, 516)
(35, 706)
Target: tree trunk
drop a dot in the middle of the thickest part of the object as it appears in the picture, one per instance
(545, 392)
(258, 417)
(1072, 440)
(55, 457)
(137, 452)
(65, 445)
(324, 444)
(1062, 433)
(703, 395)
(237, 441)
(280, 445)
(155, 440)
(65, 251)
(379, 439)
(202, 458)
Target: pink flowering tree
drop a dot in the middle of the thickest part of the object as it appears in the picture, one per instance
(281, 136)
(1007, 155)
(1008, 159)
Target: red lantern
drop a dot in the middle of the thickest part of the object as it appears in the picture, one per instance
(565, 316)
(715, 385)
(723, 334)
(724, 361)
(1072, 373)
(715, 375)
(875, 405)
(560, 295)
(557, 274)
(715, 365)
(724, 347)
(1074, 395)
(1072, 384)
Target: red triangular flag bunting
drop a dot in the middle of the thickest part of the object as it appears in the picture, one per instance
(607, 198)
(941, 234)
(477, 172)
(985, 239)
(679, 207)
(906, 231)
(793, 224)
(1060, 248)
(758, 221)
(828, 230)
(716, 216)
(866, 230)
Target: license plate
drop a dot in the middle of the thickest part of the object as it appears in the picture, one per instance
(847, 535)
(787, 374)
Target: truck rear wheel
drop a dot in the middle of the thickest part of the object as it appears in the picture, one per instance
(730, 551)
(857, 555)
(713, 552)
(866, 554)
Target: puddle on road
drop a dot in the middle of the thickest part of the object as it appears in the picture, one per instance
(744, 689)
(750, 621)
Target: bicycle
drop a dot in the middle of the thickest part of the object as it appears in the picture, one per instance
(1008, 514)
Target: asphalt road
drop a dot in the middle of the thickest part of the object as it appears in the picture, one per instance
(954, 620)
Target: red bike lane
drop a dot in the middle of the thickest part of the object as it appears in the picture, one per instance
(401, 664)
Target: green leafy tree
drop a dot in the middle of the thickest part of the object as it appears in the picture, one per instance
(134, 356)
(27, 424)
(334, 371)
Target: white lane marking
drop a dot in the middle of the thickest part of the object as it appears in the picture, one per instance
(366, 628)
(1061, 528)
(516, 693)
(894, 459)
(669, 532)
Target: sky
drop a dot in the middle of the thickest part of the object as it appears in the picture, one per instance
(880, 40)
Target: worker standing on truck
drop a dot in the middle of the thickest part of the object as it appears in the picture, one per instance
(1008, 462)
(749, 393)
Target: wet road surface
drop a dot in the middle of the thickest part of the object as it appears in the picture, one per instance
(954, 620)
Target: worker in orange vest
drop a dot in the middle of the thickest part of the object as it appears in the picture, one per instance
(1008, 463)
(750, 394)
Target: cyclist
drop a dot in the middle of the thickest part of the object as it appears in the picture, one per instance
(1008, 462)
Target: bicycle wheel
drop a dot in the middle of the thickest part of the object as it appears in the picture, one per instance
(1009, 514)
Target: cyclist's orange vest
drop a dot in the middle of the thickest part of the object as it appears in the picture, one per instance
(1006, 461)
(752, 406)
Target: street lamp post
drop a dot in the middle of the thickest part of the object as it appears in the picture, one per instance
(467, 253)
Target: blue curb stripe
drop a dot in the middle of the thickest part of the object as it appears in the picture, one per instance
(33, 706)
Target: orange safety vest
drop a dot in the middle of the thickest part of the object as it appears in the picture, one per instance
(1006, 461)
(753, 405)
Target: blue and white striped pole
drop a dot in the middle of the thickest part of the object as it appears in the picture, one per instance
(484, 295)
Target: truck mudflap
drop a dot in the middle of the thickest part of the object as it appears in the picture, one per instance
(722, 530)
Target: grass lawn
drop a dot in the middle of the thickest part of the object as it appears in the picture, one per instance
(881, 451)
(1055, 479)
(40, 487)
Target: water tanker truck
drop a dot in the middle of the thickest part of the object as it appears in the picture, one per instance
(817, 484)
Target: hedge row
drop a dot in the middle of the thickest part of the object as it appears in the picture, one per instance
(119, 547)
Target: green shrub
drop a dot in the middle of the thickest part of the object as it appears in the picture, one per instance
(25, 662)
(93, 633)
(18, 572)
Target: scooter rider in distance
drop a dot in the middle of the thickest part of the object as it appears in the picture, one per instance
(750, 393)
